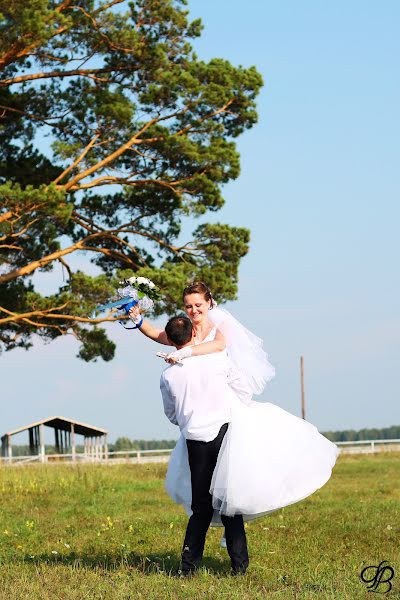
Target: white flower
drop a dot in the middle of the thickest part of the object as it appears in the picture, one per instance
(142, 280)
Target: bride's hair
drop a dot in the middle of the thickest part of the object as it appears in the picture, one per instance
(198, 287)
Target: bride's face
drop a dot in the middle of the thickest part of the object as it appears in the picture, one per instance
(196, 307)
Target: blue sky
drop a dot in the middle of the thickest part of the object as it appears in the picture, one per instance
(319, 190)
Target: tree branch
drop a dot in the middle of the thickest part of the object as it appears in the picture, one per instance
(42, 312)
(45, 260)
(71, 185)
(35, 117)
(66, 265)
(106, 6)
(109, 158)
(62, 74)
(6, 216)
(78, 160)
(9, 247)
(15, 318)
(21, 231)
(102, 34)
(19, 49)
(31, 267)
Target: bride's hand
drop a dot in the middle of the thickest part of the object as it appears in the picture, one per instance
(179, 355)
(135, 315)
(171, 360)
(134, 312)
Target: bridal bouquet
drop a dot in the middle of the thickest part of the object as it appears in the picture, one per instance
(135, 291)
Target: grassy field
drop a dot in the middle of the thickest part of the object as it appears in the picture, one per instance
(91, 532)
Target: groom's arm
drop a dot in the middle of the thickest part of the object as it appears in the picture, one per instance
(169, 404)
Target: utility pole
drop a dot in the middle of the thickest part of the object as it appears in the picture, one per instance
(303, 401)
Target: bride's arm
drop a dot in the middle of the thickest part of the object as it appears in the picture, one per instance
(158, 335)
(217, 345)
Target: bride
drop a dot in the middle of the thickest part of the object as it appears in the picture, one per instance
(289, 458)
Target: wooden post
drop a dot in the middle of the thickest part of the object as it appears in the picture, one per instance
(9, 448)
(31, 445)
(303, 401)
(56, 440)
(73, 451)
(35, 433)
(105, 447)
(41, 443)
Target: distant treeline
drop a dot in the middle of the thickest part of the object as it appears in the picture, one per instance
(124, 443)
(351, 435)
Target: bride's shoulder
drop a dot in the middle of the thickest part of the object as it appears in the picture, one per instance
(211, 334)
(217, 316)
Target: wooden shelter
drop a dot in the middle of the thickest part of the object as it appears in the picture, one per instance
(65, 430)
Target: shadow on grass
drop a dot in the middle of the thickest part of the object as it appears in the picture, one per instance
(147, 564)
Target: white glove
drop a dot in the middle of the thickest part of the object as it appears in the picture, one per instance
(135, 315)
(137, 320)
(179, 355)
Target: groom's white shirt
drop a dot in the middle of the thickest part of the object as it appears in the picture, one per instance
(197, 395)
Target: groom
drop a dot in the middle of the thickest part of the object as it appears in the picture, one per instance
(197, 397)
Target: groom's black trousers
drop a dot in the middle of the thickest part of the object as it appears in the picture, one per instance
(202, 460)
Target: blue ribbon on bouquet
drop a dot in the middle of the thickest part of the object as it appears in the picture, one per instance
(123, 304)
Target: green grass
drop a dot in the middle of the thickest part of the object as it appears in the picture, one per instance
(94, 532)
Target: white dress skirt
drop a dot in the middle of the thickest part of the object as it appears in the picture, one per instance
(269, 459)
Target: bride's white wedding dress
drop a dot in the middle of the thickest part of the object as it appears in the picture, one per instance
(269, 458)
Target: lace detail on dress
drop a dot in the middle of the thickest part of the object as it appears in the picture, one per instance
(209, 338)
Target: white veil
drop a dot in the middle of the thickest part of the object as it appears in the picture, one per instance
(245, 350)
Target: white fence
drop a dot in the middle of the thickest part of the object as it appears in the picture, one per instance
(369, 446)
(162, 455)
(124, 456)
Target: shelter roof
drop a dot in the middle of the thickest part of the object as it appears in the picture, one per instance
(64, 424)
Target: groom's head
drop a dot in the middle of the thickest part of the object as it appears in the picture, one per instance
(179, 331)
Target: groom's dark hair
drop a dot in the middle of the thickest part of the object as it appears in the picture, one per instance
(179, 330)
